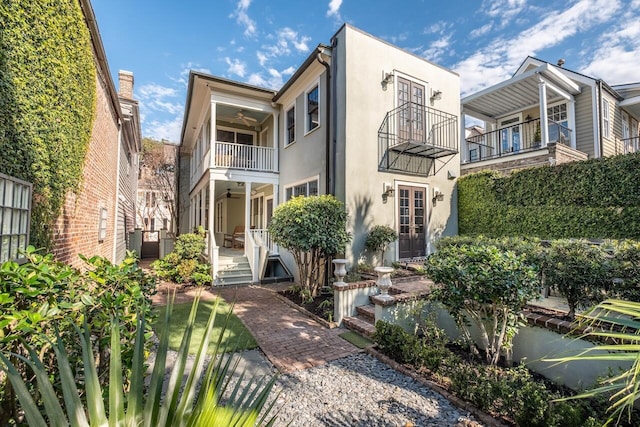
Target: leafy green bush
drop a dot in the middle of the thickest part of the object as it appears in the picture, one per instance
(42, 296)
(486, 285)
(312, 229)
(379, 238)
(580, 271)
(625, 266)
(183, 264)
(595, 199)
(511, 393)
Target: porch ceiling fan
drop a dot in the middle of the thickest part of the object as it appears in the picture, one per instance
(248, 121)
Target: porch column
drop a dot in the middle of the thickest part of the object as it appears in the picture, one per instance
(212, 136)
(464, 148)
(276, 139)
(544, 121)
(212, 204)
(276, 195)
(247, 212)
(571, 121)
(213, 247)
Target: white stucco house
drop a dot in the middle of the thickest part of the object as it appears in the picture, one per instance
(362, 119)
(547, 113)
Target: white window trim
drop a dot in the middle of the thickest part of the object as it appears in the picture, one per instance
(412, 79)
(606, 119)
(306, 107)
(427, 212)
(295, 124)
(302, 181)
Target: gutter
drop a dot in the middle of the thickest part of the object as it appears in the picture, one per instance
(329, 183)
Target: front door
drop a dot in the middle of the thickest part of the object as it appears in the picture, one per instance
(411, 221)
(411, 116)
(510, 134)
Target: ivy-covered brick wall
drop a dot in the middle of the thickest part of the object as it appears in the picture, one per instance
(597, 199)
(47, 102)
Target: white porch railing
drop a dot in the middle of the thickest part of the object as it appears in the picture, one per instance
(262, 237)
(247, 157)
(252, 251)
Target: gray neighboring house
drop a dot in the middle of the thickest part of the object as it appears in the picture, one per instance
(362, 119)
(546, 114)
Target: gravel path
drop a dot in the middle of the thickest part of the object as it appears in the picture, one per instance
(360, 391)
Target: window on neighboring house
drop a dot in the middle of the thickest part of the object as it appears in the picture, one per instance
(309, 188)
(150, 201)
(102, 227)
(313, 120)
(606, 122)
(291, 125)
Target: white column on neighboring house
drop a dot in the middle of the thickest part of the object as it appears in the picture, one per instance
(276, 139)
(192, 206)
(276, 195)
(201, 202)
(544, 121)
(212, 136)
(571, 121)
(464, 149)
(212, 206)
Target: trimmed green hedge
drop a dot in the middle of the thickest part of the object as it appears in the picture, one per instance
(596, 199)
(47, 102)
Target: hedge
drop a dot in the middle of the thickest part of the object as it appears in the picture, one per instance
(47, 102)
(595, 199)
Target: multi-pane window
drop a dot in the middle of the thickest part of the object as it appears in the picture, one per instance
(557, 113)
(15, 205)
(606, 121)
(150, 199)
(313, 120)
(309, 188)
(291, 125)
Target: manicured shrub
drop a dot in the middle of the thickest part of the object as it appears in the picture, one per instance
(379, 238)
(184, 264)
(486, 286)
(625, 270)
(579, 271)
(595, 199)
(312, 229)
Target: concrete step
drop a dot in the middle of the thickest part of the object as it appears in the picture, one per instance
(367, 312)
(232, 260)
(360, 326)
(234, 267)
(235, 273)
(237, 280)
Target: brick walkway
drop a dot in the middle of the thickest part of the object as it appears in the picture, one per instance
(290, 340)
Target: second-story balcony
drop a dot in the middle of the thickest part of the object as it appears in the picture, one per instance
(246, 157)
(518, 138)
(413, 136)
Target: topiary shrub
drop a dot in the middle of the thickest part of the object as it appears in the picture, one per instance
(379, 238)
(312, 229)
(183, 264)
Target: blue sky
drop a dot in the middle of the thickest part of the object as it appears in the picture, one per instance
(263, 41)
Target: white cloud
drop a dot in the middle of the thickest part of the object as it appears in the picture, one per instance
(274, 79)
(615, 60)
(500, 58)
(481, 31)
(236, 67)
(183, 78)
(286, 41)
(334, 8)
(437, 28)
(169, 130)
(437, 48)
(288, 71)
(243, 18)
(153, 97)
(505, 10)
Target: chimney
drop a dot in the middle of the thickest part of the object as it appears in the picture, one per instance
(126, 84)
(560, 62)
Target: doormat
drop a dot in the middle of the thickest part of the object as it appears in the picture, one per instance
(356, 339)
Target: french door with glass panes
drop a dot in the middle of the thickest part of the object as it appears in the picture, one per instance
(412, 210)
(411, 114)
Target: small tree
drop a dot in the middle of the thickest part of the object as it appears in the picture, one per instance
(579, 271)
(487, 286)
(312, 229)
(379, 238)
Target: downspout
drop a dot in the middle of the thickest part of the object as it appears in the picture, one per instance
(117, 202)
(601, 140)
(328, 180)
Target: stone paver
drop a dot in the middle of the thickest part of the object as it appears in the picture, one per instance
(289, 339)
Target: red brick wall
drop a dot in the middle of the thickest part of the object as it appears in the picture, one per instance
(76, 230)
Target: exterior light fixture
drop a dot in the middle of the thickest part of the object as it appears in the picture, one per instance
(436, 95)
(386, 79)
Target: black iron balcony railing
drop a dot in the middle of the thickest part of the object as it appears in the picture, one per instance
(518, 138)
(413, 136)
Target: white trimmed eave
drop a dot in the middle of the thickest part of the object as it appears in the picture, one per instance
(632, 105)
(518, 93)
